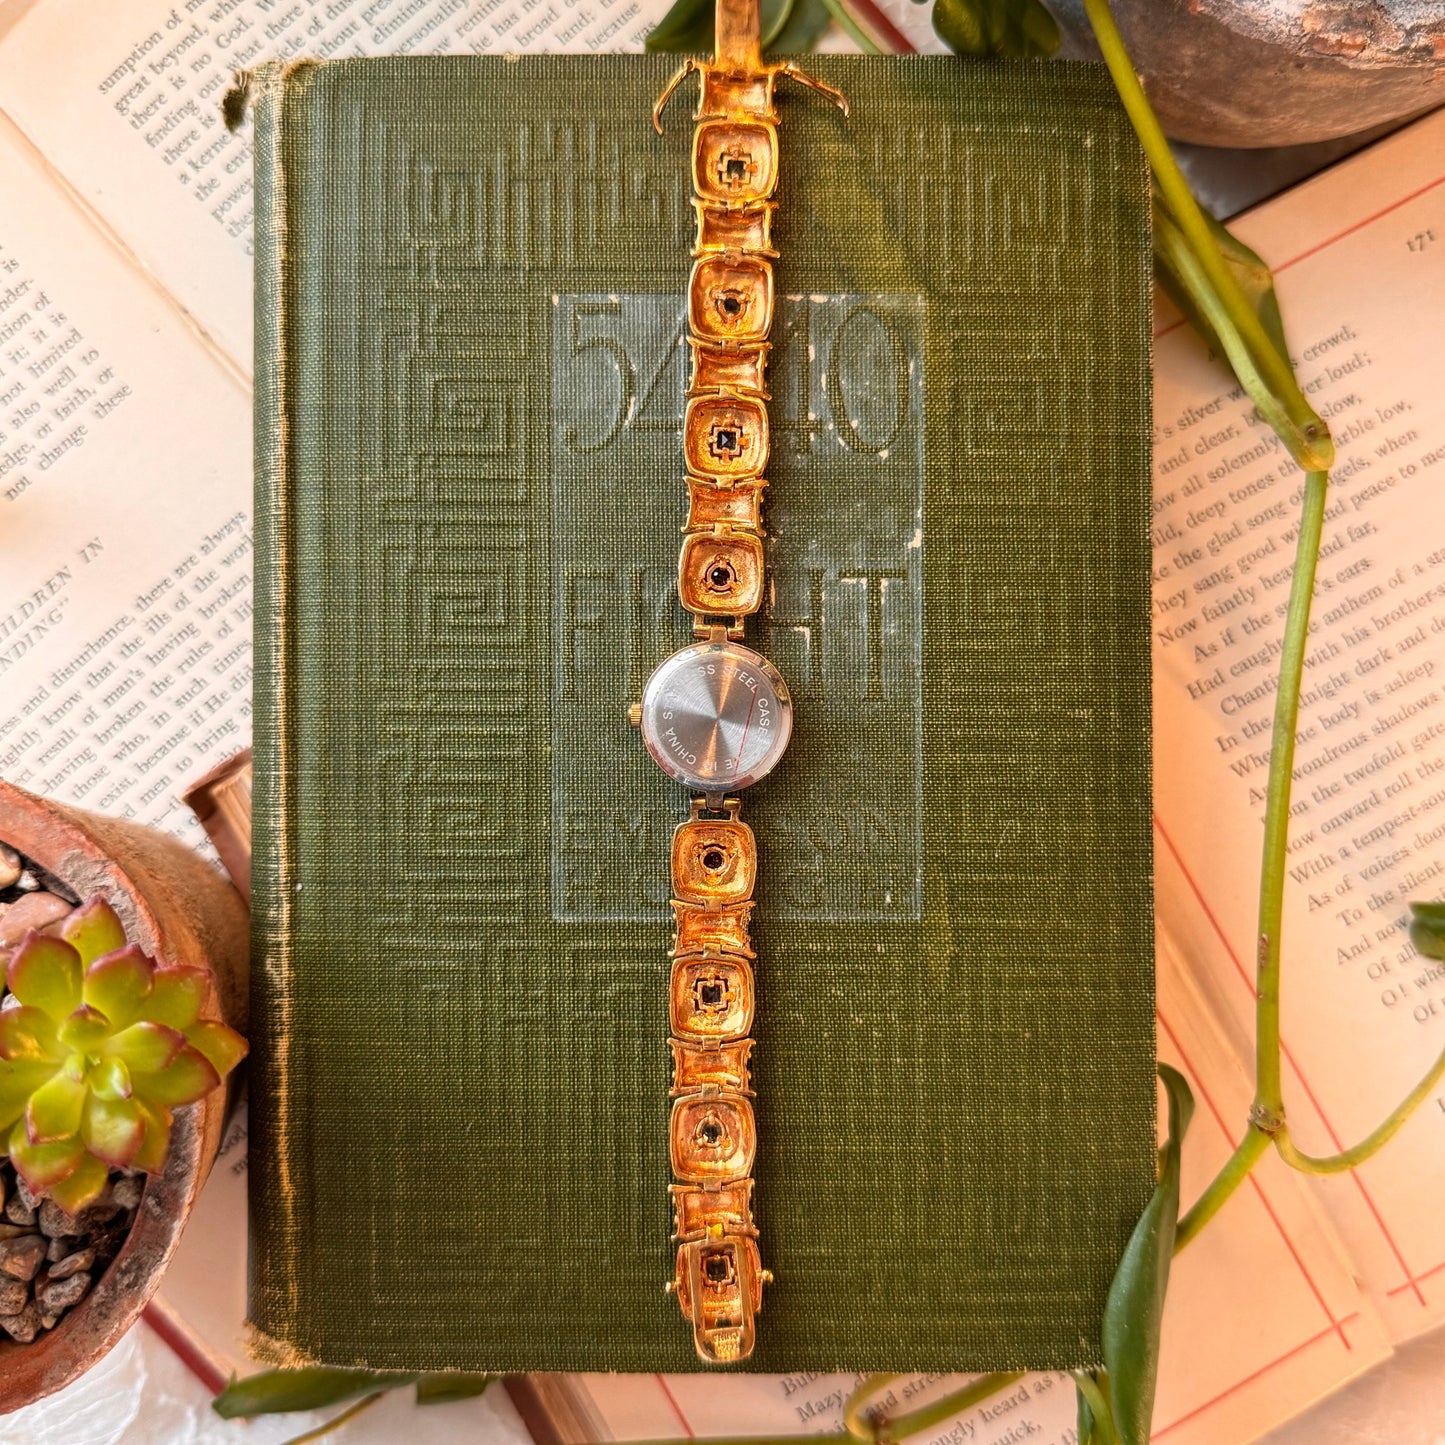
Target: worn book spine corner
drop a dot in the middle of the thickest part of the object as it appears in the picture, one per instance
(273, 1288)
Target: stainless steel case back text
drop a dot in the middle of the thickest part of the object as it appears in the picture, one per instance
(716, 716)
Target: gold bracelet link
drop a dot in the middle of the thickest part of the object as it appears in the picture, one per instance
(729, 315)
(713, 1134)
(712, 998)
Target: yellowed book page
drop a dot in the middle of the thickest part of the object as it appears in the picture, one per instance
(1360, 257)
(125, 100)
(1038, 1408)
(1263, 1315)
(125, 561)
(203, 1293)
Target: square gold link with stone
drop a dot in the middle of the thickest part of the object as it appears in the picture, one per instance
(712, 1138)
(730, 298)
(712, 999)
(701, 1067)
(719, 1287)
(725, 437)
(735, 160)
(714, 860)
(720, 575)
(712, 930)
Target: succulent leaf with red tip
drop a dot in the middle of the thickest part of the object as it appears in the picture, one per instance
(97, 1045)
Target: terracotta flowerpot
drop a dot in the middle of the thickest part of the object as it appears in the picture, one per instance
(180, 910)
(1276, 72)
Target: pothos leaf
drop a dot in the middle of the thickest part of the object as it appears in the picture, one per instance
(799, 29)
(1255, 279)
(311, 1387)
(1095, 1420)
(1260, 370)
(1427, 929)
(440, 1389)
(790, 27)
(314, 1387)
(686, 29)
(983, 28)
(1135, 1304)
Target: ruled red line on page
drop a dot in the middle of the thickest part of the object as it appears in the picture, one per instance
(1258, 1187)
(1238, 1385)
(1330, 241)
(1360, 225)
(676, 1408)
(872, 18)
(1248, 982)
(189, 1351)
(1420, 1275)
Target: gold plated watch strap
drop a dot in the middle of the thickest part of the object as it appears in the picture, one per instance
(730, 303)
(729, 317)
(713, 1133)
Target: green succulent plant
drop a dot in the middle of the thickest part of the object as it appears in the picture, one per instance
(102, 1046)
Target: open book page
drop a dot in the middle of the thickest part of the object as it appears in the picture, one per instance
(1360, 257)
(125, 562)
(1038, 1408)
(200, 1309)
(125, 569)
(1263, 1315)
(132, 118)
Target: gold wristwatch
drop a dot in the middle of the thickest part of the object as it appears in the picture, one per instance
(716, 715)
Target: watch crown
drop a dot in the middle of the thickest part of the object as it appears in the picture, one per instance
(634, 714)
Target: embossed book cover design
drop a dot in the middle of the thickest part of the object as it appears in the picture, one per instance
(470, 353)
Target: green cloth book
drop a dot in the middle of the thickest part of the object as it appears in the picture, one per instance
(470, 372)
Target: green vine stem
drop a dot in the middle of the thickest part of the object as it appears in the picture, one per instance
(927, 1416)
(834, 1439)
(838, 9)
(1268, 1110)
(862, 1426)
(1229, 1178)
(1088, 1387)
(1307, 436)
(856, 1419)
(1371, 1143)
(1268, 1113)
(336, 1421)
